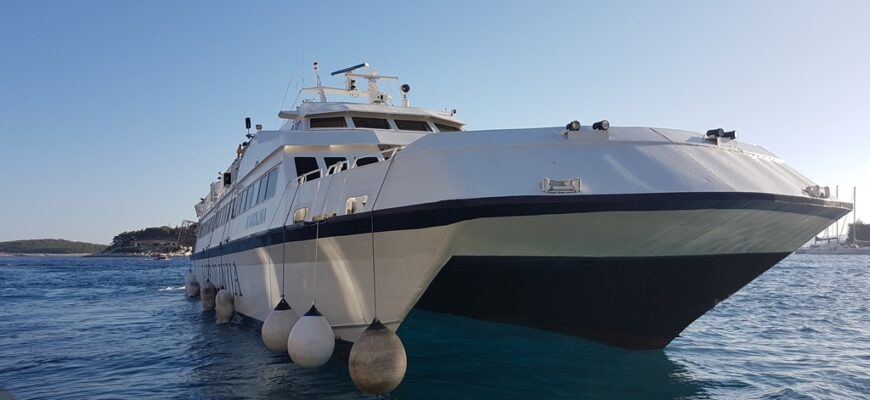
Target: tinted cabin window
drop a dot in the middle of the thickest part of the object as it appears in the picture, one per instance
(262, 192)
(255, 188)
(243, 200)
(327, 122)
(408, 125)
(366, 161)
(305, 165)
(271, 181)
(447, 128)
(374, 123)
(248, 201)
(330, 161)
(252, 196)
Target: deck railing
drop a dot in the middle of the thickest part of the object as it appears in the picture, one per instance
(383, 155)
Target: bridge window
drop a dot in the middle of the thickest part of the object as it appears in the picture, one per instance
(305, 165)
(327, 122)
(366, 161)
(409, 125)
(447, 128)
(374, 123)
(330, 161)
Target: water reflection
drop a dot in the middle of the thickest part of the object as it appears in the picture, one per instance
(454, 357)
(449, 358)
(235, 364)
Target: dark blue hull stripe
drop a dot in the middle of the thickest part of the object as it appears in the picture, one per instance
(630, 302)
(452, 211)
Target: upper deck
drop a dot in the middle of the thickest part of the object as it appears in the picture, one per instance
(340, 115)
(319, 127)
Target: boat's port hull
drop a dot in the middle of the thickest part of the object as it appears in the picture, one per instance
(631, 302)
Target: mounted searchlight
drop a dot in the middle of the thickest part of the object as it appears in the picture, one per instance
(715, 134)
(602, 125)
(573, 126)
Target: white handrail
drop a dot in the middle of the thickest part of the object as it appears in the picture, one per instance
(385, 154)
(304, 177)
(337, 167)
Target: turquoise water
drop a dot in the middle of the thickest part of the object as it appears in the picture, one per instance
(82, 328)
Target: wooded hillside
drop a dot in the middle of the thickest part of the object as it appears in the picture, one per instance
(50, 246)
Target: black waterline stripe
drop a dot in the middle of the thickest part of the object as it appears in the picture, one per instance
(452, 211)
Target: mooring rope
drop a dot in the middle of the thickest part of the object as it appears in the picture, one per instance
(372, 223)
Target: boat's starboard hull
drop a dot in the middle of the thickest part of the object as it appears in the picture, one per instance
(631, 302)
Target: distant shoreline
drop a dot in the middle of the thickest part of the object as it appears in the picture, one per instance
(124, 255)
(44, 254)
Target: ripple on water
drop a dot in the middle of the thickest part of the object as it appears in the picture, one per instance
(121, 328)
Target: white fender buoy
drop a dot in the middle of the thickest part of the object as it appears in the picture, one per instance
(191, 286)
(194, 289)
(377, 361)
(276, 328)
(224, 306)
(207, 293)
(311, 341)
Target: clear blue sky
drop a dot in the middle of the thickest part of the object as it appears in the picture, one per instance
(115, 115)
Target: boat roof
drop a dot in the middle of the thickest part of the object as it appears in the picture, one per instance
(310, 108)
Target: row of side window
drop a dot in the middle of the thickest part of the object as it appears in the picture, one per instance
(380, 123)
(256, 193)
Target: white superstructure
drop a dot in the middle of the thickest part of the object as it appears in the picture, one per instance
(620, 234)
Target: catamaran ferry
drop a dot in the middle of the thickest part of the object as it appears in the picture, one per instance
(623, 235)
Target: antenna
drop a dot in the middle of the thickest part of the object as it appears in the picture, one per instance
(319, 85)
(350, 89)
(350, 69)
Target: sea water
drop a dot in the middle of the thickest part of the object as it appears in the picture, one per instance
(102, 328)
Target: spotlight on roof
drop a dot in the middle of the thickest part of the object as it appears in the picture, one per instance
(573, 126)
(602, 125)
(406, 88)
(714, 133)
